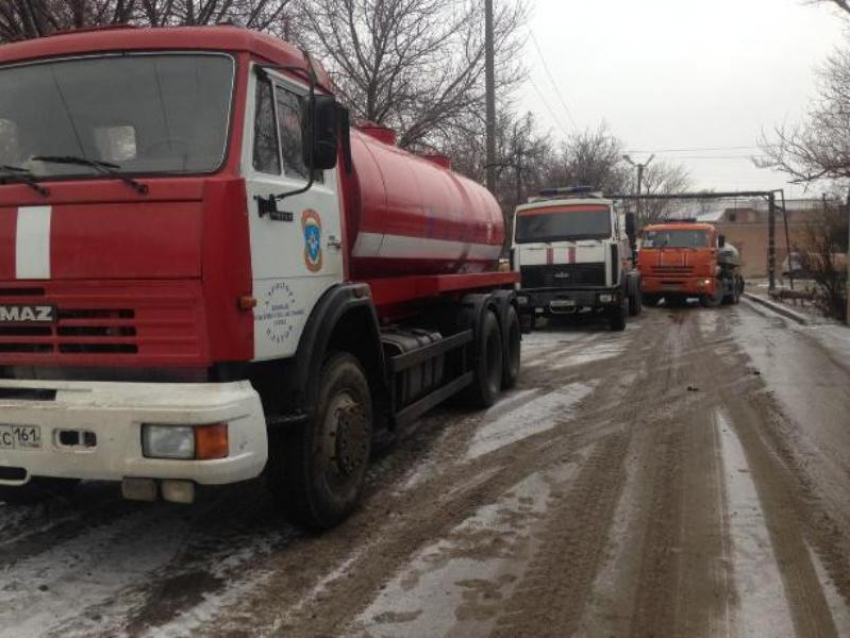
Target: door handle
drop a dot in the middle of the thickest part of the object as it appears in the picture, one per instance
(334, 243)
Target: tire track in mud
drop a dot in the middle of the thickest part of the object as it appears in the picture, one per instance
(551, 596)
(752, 413)
(685, 575)
(391, 528)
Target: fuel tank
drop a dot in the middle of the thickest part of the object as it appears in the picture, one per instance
(410, 214)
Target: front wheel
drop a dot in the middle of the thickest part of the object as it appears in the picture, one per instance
(651, 300)
(317, 471)
(713, 301)
(618, 315)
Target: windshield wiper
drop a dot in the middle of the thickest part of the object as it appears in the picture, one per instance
(25, 175)
(106, 168)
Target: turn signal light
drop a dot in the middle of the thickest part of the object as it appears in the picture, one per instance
(247, 303)
(211, 442)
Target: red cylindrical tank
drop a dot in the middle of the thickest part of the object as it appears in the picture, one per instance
(409, 215)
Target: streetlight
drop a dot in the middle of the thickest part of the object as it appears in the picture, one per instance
(640, 168)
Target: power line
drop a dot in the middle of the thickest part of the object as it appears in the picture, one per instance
(552, 81)
(699, 149)
(548, 108)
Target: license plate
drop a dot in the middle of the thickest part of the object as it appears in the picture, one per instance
(563, 303)
(20, 437)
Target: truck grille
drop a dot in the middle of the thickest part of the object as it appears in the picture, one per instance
(77, 331)
(135, 324)
(675, 271)
(563, 275)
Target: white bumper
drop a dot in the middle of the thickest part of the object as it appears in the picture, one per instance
(115, 412)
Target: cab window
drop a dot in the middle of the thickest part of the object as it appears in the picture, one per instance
(266, 150)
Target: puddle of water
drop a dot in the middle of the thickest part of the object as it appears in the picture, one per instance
(528, 419)
(762, 608)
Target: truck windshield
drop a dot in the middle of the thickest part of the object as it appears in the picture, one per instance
(675, 239)
(560, 224)
(163, 113)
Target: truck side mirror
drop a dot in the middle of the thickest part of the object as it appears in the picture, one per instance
(319, 133)
(721, 241)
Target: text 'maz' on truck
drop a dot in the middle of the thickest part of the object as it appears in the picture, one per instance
(206, 273)
(573, 253)
(683, 259)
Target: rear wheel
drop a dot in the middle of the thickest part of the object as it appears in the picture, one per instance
(37, 490)
(317, 472)
(487, 381)
(618, 315)
(510, 369)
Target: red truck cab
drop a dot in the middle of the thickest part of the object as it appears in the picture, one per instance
(206, 274)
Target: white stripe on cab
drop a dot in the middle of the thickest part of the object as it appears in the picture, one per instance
(32, 242)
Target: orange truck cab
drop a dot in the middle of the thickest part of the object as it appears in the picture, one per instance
(683, 259)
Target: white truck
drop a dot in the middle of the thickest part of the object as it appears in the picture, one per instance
(573, 252)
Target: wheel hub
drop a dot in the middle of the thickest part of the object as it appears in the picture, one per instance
(350, 441)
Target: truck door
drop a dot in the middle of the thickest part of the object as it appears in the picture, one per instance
(296, 251)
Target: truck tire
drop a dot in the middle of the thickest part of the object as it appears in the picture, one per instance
(650, 300)
(635, 303)
(712, 301)
(37, 490)
(317, 472)
(527, 321)
(511, 364)
(618, 316)
(487, 381)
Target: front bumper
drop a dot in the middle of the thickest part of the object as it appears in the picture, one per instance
(567, 300)
(113, 414)
(688, 286)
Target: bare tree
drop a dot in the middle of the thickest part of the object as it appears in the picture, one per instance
(25, 19)
(414, 65)
(661, 178)
(822, 245)
(843, 5)
(591, 158)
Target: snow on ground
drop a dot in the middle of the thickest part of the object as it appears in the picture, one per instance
(520, 420)
(762, 609)
(460, 582)
(43, 591)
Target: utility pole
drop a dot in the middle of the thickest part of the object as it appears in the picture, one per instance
(640, 169)
(490, 88)
(771, 241)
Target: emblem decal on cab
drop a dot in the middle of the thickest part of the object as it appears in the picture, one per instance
(311, 225)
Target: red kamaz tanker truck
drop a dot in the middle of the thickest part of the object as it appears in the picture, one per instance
(206, 274)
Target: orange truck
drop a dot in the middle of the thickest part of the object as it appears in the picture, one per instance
(682, 259)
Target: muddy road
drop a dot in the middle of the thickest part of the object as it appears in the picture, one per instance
(689, 477)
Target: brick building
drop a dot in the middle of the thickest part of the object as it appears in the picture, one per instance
(745, 226)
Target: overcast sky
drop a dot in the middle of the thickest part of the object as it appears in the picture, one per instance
(667, 74)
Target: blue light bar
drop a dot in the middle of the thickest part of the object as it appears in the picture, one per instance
(565, 190)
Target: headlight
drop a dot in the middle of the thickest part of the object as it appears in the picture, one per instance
(185, 442)
(606, 298)
(168, 442)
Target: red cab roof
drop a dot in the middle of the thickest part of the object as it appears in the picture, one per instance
(121, 39)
